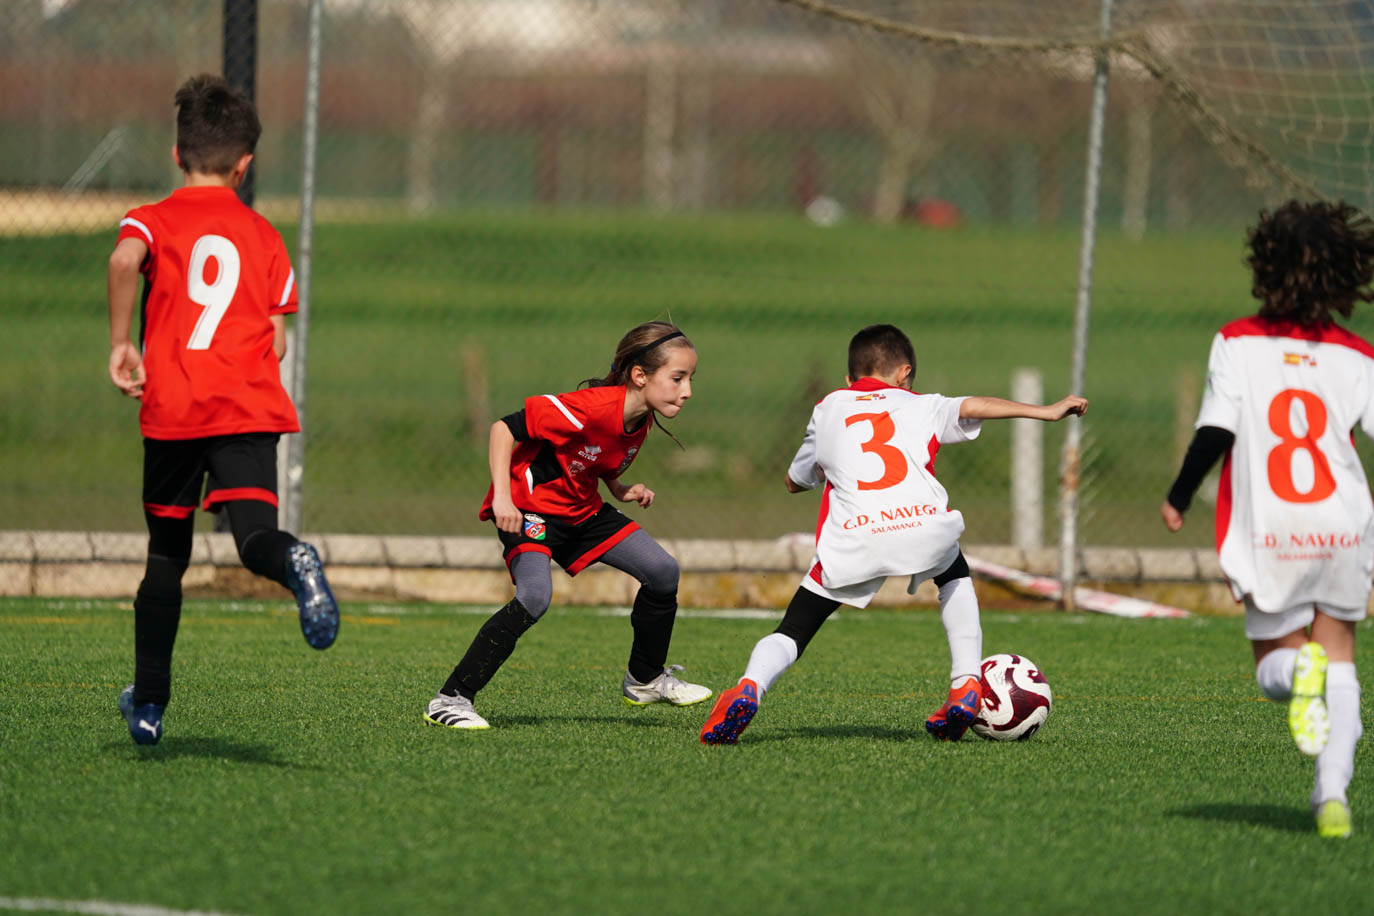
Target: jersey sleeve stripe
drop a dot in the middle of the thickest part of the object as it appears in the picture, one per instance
(563, 410)
(130, 221)
(286, 290)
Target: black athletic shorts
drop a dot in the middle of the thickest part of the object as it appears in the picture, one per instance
(241, 466)
(572, 546)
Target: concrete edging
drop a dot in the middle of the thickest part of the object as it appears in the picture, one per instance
(715, 573)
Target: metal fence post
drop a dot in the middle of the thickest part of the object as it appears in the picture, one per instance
(241, 62)
(1071, 464)
(292, 514)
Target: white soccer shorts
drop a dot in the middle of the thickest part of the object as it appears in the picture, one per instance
(1275, 624)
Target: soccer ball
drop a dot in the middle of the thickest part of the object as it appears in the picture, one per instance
(1016, 699)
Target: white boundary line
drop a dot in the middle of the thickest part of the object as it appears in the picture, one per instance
(97, 907)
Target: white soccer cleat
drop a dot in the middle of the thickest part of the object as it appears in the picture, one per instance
(453, 712)
(663, 689)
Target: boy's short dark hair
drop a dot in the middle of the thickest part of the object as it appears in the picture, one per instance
(879, 349)
(216, 124)
(1309, 261)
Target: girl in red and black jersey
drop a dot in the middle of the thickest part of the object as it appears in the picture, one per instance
(546, 463)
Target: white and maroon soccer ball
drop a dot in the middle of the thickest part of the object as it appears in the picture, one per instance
(1016, 699)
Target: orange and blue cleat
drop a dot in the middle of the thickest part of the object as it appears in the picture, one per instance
(731, 714)
(950, 721)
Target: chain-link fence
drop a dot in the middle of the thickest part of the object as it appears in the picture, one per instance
(505, 186)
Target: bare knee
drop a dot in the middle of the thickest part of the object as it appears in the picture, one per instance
(1337, 637)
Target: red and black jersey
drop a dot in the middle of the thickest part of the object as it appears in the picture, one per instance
(215, 273)
(571, 441)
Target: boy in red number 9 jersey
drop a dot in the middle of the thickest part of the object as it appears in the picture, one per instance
(217, 283)
(1294, 522)
(547, 464)
(882, 514)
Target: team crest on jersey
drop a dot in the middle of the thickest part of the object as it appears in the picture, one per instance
(1299, 359)
(590, 452)
(575, 468)
(872, 396)
(535, 529)
(629, 456)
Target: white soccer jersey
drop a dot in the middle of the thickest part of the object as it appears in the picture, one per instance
(1295, 524)
(882, 513)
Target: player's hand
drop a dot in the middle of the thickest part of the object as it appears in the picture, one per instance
(1173, 519)
(508, 518)
(637, 494)
(1072, 404)
(126, 369)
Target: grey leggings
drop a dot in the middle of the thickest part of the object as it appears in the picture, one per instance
(639, 555)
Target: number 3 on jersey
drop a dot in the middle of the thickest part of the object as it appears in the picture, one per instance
(216, 295)
(894, 462)
(1281, 457)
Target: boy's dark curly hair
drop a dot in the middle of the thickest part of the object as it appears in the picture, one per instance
(1311, 261)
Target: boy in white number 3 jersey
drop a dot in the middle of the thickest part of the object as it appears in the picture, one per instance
(882, 514)
(1295, 524)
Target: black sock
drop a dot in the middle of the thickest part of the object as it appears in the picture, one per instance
(652, 619)
(157, 612)
(804, 616)
(494, 643)
(262, 546)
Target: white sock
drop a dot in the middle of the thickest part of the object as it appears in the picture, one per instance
(772, 655)
(1274, 673)
(959, 613)
(1336, 764)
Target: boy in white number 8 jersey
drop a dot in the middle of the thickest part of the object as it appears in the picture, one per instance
(1295, 524)
(882, 514)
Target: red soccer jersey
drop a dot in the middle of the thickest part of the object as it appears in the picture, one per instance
(575, 439)
(215, 273)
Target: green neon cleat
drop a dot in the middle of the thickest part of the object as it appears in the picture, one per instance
(1307, 717)
(1333, 820)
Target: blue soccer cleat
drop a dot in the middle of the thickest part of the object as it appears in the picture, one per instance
(319, 610)
(145, 722)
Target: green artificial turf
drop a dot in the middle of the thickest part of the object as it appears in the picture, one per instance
(294, 781)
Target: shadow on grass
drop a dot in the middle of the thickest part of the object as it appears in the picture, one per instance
(641, 721)
(174, 748)
(870, 732)
(1276, 817)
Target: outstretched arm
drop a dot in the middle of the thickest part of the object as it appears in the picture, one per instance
(984, 408)
(126, 363)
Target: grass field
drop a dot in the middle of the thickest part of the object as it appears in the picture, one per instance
(294, 781)
(424, 331)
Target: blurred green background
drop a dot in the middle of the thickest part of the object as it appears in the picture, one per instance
(409, 367)
(505, 186)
